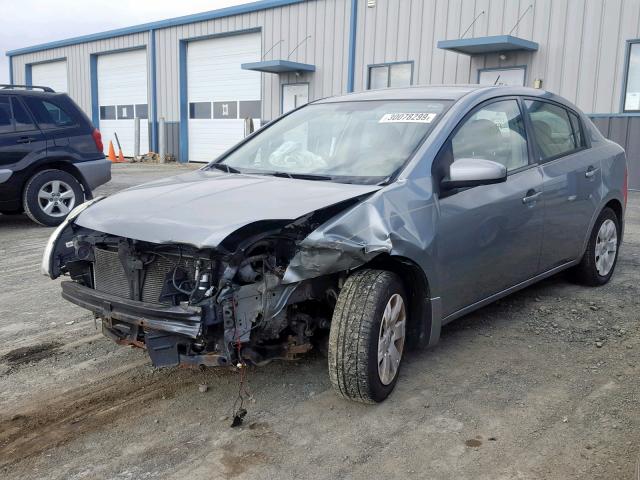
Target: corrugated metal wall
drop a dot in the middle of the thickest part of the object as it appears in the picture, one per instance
(625, 131)
(581, 55)
(326, 21)
(582, 42)
(78, 63)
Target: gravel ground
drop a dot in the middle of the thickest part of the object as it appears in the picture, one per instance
(542, 384)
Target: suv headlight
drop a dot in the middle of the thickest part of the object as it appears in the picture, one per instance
(47, 257)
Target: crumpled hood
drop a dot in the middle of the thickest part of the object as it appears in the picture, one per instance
(202, 208)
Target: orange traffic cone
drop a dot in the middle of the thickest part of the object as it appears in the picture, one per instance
(120, 156)
(112, 153)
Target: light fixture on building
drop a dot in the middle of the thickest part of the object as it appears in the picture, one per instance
(537, 83)
(371, 3)
(502, 57)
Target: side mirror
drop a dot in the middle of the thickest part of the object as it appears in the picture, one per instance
(471, 172)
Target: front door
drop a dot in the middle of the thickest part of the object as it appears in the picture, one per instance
(572, 180)
(489, 237)
(294, 95)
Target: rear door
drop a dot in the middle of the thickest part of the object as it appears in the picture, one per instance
(489, 236)
(571, 180)
(20, 139)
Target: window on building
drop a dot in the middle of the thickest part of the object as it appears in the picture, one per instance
(553, 130)
(632, 93)
(125, 112)
(108, 112)
(200, 110)
(142, 111)
(48, 114)
(495, 132)
(390, 75)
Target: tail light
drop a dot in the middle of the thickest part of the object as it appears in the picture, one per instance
(625, 187)
(97, 137)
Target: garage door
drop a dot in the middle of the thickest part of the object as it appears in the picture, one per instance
(50, 74)
(220, 93)
(122, 96)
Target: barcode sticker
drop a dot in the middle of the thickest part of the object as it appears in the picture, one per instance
(416, 117)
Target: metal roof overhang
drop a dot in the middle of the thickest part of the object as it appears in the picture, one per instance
(278, 66)
(491, 44)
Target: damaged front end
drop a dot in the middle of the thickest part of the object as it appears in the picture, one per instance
(201, 306)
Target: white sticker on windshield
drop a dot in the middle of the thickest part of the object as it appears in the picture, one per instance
(416, 117)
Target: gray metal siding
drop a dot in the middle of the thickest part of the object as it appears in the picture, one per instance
(581, 54)
(78, 63)
(624, 131)
(325, 20)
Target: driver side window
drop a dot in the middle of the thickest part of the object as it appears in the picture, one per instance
(495, 132)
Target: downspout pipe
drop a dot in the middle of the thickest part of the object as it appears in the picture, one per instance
(352, 46)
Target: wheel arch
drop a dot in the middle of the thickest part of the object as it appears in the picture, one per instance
(57, 164)
(424, 320)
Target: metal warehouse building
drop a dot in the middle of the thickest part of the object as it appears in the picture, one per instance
(204, 73)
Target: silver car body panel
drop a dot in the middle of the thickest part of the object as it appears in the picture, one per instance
(202, 208)
(473, 247)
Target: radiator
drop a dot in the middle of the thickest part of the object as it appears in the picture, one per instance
(109, 276)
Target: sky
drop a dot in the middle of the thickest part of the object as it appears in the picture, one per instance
(31, 22)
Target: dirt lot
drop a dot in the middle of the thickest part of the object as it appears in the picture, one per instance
(543, 384)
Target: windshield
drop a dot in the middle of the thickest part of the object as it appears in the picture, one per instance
(358, 142)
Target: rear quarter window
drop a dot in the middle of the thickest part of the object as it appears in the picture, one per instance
(553, 131)
(49, 114)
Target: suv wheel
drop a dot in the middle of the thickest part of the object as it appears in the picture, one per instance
(599, 260)
(367, 336)
(50, 195)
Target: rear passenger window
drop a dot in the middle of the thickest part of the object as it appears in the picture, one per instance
(552, 129)
(577, 131)
(21, 117)
(495, 132)
(5, 115)
(47, 114)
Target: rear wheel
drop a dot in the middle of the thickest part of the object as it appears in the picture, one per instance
(367, 336)
(50, 195)
(599, 260)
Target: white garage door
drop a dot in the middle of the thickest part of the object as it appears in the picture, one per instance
(220, 93)
(122, 96)
(50, 74)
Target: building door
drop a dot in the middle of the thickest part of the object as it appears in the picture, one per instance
(50, 74)
(122, 96)
(512, 76)
(294, 95)
(220, 94)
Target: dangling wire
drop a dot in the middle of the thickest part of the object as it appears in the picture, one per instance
(239, 412)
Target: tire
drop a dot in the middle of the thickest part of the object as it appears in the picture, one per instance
(595, 268)
(355, 335)
(44, 210)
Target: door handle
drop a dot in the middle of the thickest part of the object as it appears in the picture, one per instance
(25, 140)
(531, 197)
(591, 171)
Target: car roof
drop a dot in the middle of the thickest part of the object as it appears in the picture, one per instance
(438, 92)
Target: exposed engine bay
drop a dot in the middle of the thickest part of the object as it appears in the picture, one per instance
(214, 306)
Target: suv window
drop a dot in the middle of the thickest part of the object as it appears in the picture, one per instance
(552, 129)
(5, 115)
(494, 132)
(21, 118)
(47, 114)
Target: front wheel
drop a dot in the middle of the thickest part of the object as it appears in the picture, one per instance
(367, 336)
(599, 260)
(50, 195)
